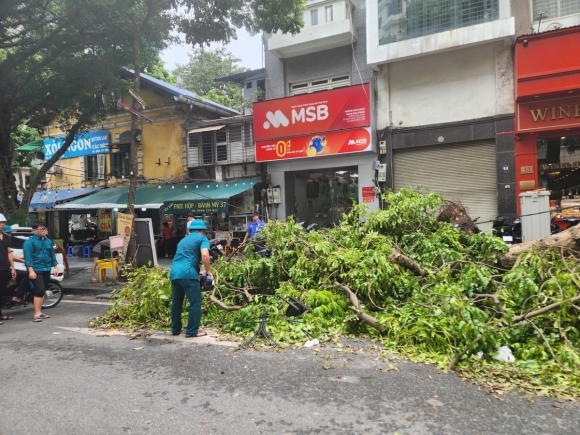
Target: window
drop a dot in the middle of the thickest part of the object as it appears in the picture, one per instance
(221, 145)
(328, 11)
(314, 17)
(248, 139)
(248, 85)
(405, 19)
(207, 147)
(120, 162)
(319, 85)
(555, 8)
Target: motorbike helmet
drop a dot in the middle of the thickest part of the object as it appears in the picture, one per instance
(197, 224)
(3, 218)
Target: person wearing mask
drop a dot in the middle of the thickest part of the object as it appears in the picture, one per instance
(184, 276)
(253, 227)
(7, 270)
(39, 259)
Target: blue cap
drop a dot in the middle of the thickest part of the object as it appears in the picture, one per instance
(256, 213)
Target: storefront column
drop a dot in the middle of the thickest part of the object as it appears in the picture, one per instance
(526, 165)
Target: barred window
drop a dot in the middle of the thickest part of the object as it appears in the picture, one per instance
(555, 8)
(322, 84)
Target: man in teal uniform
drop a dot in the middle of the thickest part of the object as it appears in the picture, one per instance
(184, 275)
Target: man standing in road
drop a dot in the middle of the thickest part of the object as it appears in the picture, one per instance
(7, 269)
(253, 227)
(184, 276)
(39, 258)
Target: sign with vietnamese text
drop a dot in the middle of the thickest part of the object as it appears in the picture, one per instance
(86, 144)
(368, 194)
(337, 109)
(104, 221)
(124, 224)
(324, 144)
(195, 206)
(549, 114)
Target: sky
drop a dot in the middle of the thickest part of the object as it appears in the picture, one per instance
(246, 47)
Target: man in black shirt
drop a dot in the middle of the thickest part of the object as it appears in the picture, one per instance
(7, 270)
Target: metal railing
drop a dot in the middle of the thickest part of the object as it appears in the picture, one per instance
(405, 19)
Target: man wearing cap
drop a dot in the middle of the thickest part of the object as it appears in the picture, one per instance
(253, 227)
(184, 276)
(7, 270)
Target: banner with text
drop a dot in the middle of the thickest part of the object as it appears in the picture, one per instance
(195, 206)
(339, 142)
(336, 109)
(93, 142)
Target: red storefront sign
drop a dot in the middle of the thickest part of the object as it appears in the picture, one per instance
(337, 109)
(323, 144)
(549, 114)
(368, 194)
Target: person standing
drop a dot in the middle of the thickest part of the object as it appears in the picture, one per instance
(7, 270)
(190, 218)
(39, 259)
(184, 276)
(253, 227)
(167, 242)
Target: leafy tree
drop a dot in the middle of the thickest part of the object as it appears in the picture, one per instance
(206, 65)
(22, 136)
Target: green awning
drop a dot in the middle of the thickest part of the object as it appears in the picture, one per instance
(208, 197)
(153, 196)
(35, 145)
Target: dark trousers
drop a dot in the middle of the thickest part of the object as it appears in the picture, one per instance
(5, 276)
(179, 289)
(40, 283)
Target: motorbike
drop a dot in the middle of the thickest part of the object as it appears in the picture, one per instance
(216, 250)
(511, 230)
(52, 295)
(561, 223)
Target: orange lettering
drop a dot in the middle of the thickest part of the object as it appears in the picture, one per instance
(553, 113)
(537, 114)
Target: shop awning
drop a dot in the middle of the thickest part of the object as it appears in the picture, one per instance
(35, 145)
(212, 128)
(208, 197)
(50, 199)
(153, 196)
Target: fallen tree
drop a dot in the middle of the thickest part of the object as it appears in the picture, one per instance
(416, 282)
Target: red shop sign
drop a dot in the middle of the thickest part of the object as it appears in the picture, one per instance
(337, 109)
(338, 142)
(368, 194)
(549, 114)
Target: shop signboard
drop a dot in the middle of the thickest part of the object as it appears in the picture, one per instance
(86, 144)
(124, 224)
(196, 206)
(336, 109)
(549, 114)
(311, 146)
(368, 194)
(104, 221)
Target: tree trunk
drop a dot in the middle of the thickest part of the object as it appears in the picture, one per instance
(7, 183)
(567, 241)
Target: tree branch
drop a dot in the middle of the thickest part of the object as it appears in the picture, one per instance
(544, 309)
(224, 306)
(356, 308)
(495, 300)
(398, 258)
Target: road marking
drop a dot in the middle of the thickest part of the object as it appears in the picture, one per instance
(86, 302)
(208, 339)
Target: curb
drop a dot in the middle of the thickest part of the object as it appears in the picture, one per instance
(88, 291)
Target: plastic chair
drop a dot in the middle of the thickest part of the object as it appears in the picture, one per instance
(104, 265)
(69, 251)
(87, 250)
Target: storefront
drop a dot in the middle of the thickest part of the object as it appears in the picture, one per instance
(319, 152)
(547, 105)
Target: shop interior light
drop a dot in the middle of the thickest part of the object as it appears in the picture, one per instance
(563, 137)
(115, 209)
(143, 209)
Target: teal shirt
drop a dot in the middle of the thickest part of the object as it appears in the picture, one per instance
(188, 257)
(39, 253)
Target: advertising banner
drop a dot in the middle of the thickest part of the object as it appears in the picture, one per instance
(337, 109)
(124, 224)
(549, 114)
(332, 143)
(104, 221)
(94, 142)
(368, 194)
(195, 206)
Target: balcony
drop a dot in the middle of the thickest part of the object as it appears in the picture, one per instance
(327, 24)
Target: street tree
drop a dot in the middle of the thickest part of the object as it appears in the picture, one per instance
(202, 23)
(203, 67)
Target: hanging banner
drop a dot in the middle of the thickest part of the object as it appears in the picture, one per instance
(104, 221)
(124, 224)
(195, 207)
(368, 194)
(93, 142)
(340, 142)
(337, 109)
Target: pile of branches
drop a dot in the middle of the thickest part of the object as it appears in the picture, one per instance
(413, 279)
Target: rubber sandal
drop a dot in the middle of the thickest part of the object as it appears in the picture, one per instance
(43, 316)
(199, 334)
(6, 318)
(37, 319)
(94, 280)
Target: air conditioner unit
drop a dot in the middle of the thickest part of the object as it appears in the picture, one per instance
(57, 169)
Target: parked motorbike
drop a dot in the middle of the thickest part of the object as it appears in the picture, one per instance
(52, 295)
(216, 250)
(509, 229)
(561, 223)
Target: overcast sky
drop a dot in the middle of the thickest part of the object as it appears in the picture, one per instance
(246, 47)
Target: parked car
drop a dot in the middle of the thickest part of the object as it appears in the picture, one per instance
(19, 236)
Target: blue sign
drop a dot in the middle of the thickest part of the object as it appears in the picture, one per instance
(94, 142)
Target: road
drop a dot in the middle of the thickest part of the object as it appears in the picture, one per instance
(60, 379)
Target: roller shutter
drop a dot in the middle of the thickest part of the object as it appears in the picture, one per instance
(463, 171)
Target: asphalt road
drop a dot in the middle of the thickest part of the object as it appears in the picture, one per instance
(62, 381)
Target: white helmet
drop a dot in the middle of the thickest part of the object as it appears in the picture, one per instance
(3, 218)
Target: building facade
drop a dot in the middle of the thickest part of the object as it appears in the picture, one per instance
(315, 131)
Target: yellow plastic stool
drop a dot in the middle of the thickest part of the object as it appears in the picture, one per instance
(107, 264)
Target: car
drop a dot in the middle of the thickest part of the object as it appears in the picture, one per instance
(19, 236)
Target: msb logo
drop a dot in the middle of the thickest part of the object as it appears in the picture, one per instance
(304, 114)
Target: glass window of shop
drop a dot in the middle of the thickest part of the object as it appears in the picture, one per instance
(559, 172)
(323, 196)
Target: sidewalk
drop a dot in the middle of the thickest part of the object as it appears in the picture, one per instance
(79, 280)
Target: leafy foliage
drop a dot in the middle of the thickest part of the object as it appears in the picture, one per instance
(458, 314)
